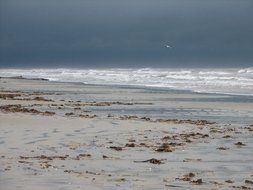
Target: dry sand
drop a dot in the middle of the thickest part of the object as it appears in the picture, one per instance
(74, 136)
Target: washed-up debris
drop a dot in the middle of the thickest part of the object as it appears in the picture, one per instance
(250, 128)
(165, 147)
(187, 177)
(82, 156)
(44, 157)
(226, 136)
(197, 181)
(193, 135)
(93, 173)
(120, 180)
(24, 162)
(215, 183)
(72, 171)
(42, 99)
(106, 103)
(146, 118)
(222, 148)
(229, 181)
(87, 116)
(240, 144)
(80, 115)
(152, 161)
(144, 145)
(130, 145)
(45, 165)
(105, 157)
(175, 121)
(242, 187)
(192, 160)
(69, 114)
(18, 108)
(128, 117)
(188, 121)
(9, 96)
(248, 181)
(166, 138)
(117, 148)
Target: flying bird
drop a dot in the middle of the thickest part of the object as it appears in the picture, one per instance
(168, 46)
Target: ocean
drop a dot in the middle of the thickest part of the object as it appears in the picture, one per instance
(235, 81)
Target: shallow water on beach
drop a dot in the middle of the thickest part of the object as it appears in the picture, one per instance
(164, 103)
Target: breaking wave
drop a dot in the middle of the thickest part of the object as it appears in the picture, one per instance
(224, 81)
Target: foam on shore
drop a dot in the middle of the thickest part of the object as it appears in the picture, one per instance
(224, 81)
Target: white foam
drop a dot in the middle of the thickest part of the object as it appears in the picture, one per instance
(226, 81)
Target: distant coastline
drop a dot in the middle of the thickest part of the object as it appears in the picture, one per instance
(24, 78)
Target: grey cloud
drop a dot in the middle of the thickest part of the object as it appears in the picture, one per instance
(126, 33)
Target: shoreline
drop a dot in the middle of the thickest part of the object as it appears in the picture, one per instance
(151, 88)
(217, 81)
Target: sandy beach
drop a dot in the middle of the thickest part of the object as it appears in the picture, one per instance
(74, 136)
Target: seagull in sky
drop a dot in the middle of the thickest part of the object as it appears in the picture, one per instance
(168, 46)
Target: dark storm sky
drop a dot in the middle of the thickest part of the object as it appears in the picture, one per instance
(126, 33)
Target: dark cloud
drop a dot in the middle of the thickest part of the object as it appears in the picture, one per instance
(126, 33)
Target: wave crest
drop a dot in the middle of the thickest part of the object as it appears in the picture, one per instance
(226, 81)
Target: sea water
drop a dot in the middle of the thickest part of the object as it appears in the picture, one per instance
(237, 81)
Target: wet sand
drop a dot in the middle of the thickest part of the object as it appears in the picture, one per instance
(75, 136)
